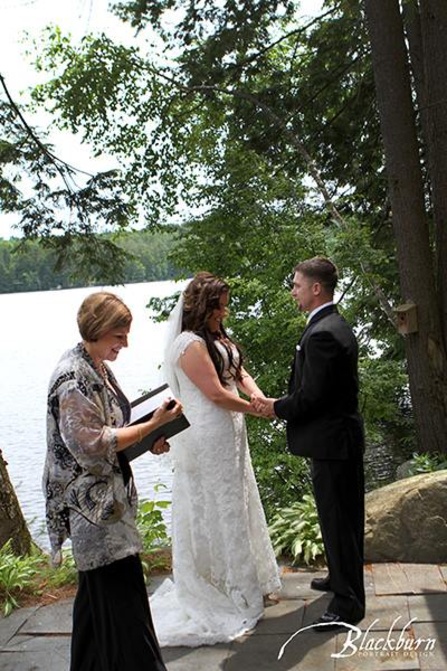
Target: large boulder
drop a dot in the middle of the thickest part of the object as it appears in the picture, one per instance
(407, 520)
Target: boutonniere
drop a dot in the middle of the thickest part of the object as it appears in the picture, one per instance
(298, 348)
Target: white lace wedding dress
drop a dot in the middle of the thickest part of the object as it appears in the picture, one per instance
(223, 561)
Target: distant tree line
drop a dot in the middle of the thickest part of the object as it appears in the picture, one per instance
(28, 266)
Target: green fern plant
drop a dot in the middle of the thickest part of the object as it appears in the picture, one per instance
(16, 574)
(295, 531)
(32, 574)
(65, 574)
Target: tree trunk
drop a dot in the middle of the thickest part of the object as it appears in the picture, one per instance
(434, 44)
(425, 350)
(426, 29)
(12, 522)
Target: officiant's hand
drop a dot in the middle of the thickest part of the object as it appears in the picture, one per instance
(160, 446)
(170, 409)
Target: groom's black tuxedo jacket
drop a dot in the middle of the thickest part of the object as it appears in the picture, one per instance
(321, 407)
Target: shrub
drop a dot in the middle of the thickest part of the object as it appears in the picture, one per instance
(33, 576)
(16, 574)
(295, 531)
(65, 574)
(151, 524)
(427, 462)
(153, 531)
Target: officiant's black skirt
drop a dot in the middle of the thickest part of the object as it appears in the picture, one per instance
(112, 622)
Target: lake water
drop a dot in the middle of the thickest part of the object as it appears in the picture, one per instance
(37, 328)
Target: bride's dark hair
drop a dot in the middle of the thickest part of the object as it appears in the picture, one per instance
(200, 298)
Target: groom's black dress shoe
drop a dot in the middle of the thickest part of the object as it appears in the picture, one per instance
(321, 584)
(331, 622)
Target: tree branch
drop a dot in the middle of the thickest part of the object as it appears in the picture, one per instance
(58, 163)
(311, 166)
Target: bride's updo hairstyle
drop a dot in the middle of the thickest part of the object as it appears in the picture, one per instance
(200, 298)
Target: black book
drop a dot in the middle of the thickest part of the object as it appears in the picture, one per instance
(142, 410)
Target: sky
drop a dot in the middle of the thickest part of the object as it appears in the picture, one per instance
(78, 17)
(20, 16)
(31, 16)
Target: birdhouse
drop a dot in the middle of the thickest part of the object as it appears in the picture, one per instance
(407, 318)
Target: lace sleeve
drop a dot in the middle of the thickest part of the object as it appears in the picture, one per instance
(181, 344)
(175, 351)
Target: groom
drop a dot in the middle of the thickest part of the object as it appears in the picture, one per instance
(323, 423)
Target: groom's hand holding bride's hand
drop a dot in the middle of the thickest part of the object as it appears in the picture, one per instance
(263, 405)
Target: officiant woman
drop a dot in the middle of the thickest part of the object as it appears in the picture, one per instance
(91, 497)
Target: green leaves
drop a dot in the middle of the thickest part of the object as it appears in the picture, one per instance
(151, 524)
(95, 78)
(295, 532)
(41, 264)
(258, 134)
(16, 573)
(54, 209)
(427, 463)
(32, 573)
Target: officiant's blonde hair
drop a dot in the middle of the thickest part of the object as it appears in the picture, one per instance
(100, 313)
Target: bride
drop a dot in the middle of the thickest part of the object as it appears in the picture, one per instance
(223, 561)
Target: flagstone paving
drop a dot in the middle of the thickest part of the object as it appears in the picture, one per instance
(405, 629)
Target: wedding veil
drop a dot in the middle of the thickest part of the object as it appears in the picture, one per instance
(174, 327)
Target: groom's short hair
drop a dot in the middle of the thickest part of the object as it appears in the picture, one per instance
(320, 269)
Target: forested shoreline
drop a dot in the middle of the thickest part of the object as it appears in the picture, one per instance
(31, 267)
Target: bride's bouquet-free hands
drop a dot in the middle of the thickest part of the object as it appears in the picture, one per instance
(263, 406)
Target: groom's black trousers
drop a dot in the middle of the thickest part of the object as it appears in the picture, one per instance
(339, 494)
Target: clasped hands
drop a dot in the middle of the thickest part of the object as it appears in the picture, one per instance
(263, 405)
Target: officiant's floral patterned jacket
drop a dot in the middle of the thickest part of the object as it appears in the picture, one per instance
(89, 489)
